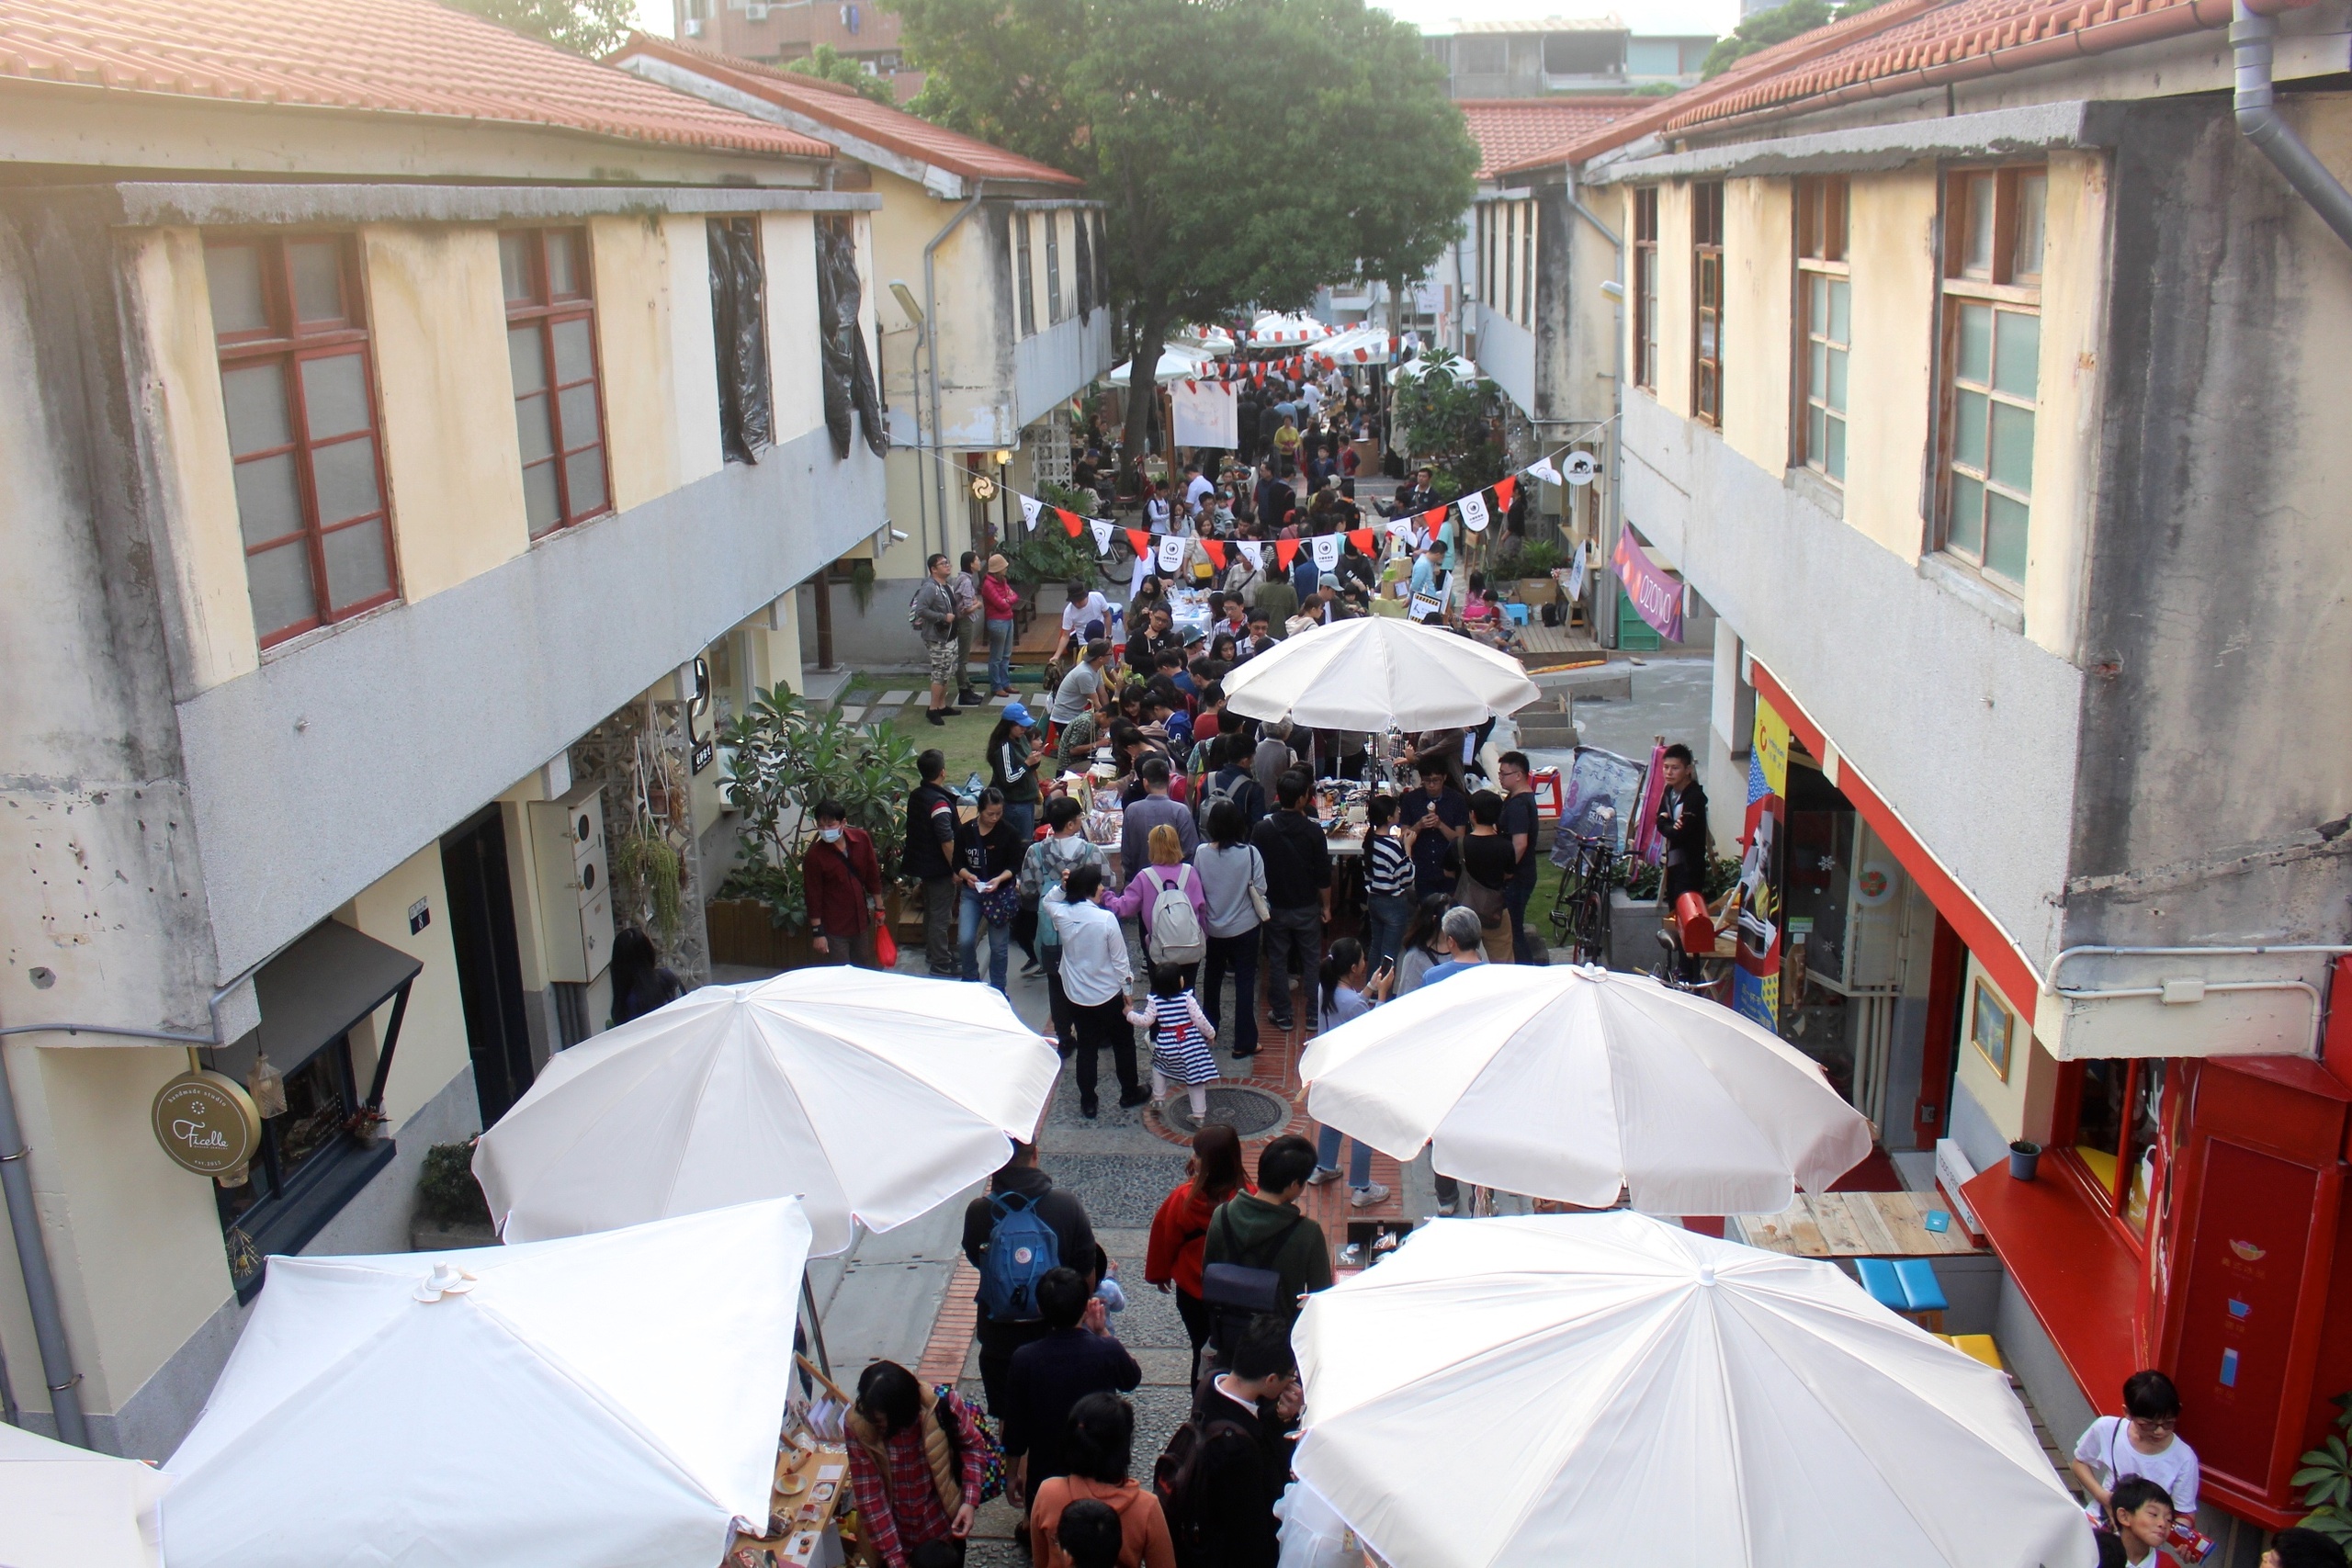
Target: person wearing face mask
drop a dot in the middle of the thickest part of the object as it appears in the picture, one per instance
(842, 879)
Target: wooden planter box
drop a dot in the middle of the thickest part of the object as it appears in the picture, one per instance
(1538, 591)
(740, 933)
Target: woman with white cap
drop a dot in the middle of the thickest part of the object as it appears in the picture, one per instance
(1002, 602)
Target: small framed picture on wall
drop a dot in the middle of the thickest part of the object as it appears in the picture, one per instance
(1990, 1025)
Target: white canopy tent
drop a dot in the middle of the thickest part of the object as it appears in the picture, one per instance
(1574, 1083)
(1612, 1389)
(608, 1400)
(1342, 345)
(874, 1097)
(1274, 329)
(1371, 671)
(1460, 370)
(66, 1508)
(1177, 362)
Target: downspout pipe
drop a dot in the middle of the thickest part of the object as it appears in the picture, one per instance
(2252, 39)
(931, 353)
(1616, 292)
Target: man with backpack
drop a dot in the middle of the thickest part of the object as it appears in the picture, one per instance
(1229, 778)
(1077, 1355)
(1226, 1465)
(1022, 1230)
(1154, 808)
(1260, 1249)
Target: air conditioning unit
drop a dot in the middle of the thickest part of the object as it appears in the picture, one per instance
(575, 900)
(755, 13)
(693, 26)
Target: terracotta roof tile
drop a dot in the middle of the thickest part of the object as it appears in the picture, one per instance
(850, 112)
(1508, 130)
(400, 57)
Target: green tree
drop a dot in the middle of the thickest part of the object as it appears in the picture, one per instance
(593, 27)
(1779, 25)
(828, 65)
(1246, 152)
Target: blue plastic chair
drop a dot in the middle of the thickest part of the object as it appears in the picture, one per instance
(1518, 614)
(1922, 1291)
(1878, 1278)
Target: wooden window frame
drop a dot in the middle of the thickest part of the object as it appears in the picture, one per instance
(545, 310)
(2002, 284)
(1055, 313)
(289, 342)
(1527, 220)
(1824, 204)
(1707, 269)
(1644, 303)
(1024, 270)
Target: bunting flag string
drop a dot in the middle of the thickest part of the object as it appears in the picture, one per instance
(1214, 550)
(1253, 551)
(1327, 552)
(1138, 541)
(1102, 538)
(1285, 551)
(1030, 507)
(1360, 537)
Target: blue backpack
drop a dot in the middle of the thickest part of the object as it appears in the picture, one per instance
(1021, 1248)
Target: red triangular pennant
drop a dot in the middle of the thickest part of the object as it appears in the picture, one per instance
(1504, 490)
(1362, 357)
(1140, 540)
(1071, 522)
(1434, 517)
(1362, 539)
(1189, 387)
(1215, 548)
(1285, 550)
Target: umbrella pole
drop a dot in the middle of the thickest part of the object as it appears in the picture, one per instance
(816, 1326)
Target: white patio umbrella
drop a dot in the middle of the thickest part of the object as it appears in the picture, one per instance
(607, 1401)
(1455, 369)
(66, 1508)
(1605, 1388)
(1375, 670)
(873, 1096)
(1574, 1082)
(1177, 362)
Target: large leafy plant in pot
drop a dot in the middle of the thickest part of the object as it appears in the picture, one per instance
(782, 760)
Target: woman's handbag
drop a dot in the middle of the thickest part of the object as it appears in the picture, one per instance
(1487, 903)
(999, 904)
(1265, 911)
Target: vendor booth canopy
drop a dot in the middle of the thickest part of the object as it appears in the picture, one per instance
(67, 1507)
(1371, 671)
(873, 1096)
(1606, 1388)
(1177, 362)
(1572, 1083)
(1460, 370)
(1273, 329)
(602, 1402)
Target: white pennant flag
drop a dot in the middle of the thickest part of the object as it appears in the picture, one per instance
(1253, 551)
(1030, 507)
(1541, 469)
(1404, 533)
(1172, 552)
(1473, 510)
(1327, 552)
(1102, 536)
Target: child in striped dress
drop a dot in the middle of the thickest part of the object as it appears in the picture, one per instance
(1180, 1038)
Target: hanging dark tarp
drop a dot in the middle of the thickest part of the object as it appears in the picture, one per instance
(1085, 263)
(1102, 260)
(740, 328)
(848, 370)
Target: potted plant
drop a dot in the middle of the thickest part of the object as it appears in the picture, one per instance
(367, 1125)
(1534, 566)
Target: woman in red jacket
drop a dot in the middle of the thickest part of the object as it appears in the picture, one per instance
(1172, 1260)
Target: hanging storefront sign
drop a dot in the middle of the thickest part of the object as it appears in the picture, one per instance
(1657, 598)
(207, 1122)
(1756, 983)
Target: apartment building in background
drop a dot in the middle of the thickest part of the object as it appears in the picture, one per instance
(1527, 57)
(406, 420)
(1980, 373)
(775, 33)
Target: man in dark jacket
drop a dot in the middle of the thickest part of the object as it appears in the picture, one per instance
(1264, 1229)
(930, 859)
(1074, 1245)
(843, 881)
(1076, 1356)
(1298, 898)
(1246, 1415)
(1682, 828)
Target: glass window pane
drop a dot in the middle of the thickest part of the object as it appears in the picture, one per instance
(358, 566)
(1967, 531)
(563, 265)
(335, 396)
(1968, 428)
(2016, 354)
(1975, 360)
(1840, 309)
(1833, 456)
(269, 499)
(2005, 524)
(2012, 462)
(573, 361)
(525, 359)
(578, 413)
(232, 273)
(1977, 254)
(257, 397)
(317, 266)
(532, 429)
(584, 472)
(346, 473)
(1707, 335)
(279, 584)
(1816, 369)
(2033, 201)
(540, 509)
(1836, 390)
(1814, 441)
(514, 265)
(1816, 302)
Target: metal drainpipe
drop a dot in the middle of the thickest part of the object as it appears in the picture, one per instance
(931, 328)
(1617, 392)
(2251, 37)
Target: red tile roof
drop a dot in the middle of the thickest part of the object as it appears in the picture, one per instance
(1763, 63)
(394, 57)
(845, 110)
(1508, 130)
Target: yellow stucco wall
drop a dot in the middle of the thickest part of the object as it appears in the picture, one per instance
(632, 260)
(1758, 275)
(2066, 446)
(1890, 402)
(1672, 383)
(694, 357)
(196, 490)
(453, 463)
(2021, 1105)
(432, 1047)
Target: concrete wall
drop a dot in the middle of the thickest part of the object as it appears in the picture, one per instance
(1507, 353)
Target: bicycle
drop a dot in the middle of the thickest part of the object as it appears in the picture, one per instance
(1580, 911)
(1668, 970)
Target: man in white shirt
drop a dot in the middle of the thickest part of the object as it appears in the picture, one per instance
(1084, 618)
(1095, 977)
(1196, 489)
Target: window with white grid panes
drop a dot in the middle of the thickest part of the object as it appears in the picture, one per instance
(559, 398)
(1994, 233)
(1825, 314)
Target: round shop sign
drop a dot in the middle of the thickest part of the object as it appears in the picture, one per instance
(207, 1122)
(1873, 883)
(1579, 467)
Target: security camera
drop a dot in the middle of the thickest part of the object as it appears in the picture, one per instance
(897, 535)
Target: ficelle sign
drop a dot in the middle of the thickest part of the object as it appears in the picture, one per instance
(207, 1122)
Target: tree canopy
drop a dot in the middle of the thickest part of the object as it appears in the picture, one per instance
(828, 65)
(1246, 152)
(1764, 29)
(593, 27)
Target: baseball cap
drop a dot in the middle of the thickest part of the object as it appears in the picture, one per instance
(1020, 715)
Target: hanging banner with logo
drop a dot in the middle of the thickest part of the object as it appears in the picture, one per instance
(1172, 552)
(1404, 533)
(1102, 538)
(1541, 469)
(1327, 552)
(1657, 597)
(1205, 415)
(1030, 507)
(1473, 510)
(1253, 551)
(1756, 983)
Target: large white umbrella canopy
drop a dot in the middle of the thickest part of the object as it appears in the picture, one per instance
(873, 1096)
(1574, 1082)
(1605, 1388)
(1177, 362)
(66, 1508)
(607, 1401)
(1374, 671)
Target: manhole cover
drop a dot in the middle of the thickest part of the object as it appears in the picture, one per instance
(1247, 1111)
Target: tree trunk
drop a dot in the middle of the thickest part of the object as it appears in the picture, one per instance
(1143, 388)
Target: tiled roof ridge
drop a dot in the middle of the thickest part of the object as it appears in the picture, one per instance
(1506, 130)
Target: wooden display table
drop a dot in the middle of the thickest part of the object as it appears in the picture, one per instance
(1853, 1224)
(810, 1489)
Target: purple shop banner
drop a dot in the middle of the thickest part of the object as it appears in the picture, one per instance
(1657, 597)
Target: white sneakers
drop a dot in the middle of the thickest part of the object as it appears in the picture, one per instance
(1366, 1197)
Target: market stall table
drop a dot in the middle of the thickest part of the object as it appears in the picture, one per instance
(1854, 1225)
(811, 1490)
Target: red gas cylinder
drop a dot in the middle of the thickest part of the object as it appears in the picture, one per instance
(1690, 921)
